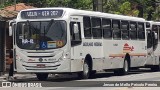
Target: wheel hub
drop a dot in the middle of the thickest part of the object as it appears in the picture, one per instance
(86, 69)
(126, 66)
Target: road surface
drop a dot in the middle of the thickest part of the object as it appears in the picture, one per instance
(135, 80)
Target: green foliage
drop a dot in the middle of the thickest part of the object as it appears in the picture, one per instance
(78, 4)
(57, 3)
(135, 12)
(5, 4)
(142, 8)
(156, 14)
(111, 6)
(125, 8)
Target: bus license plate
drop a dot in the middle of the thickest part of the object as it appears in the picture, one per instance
(41, 65)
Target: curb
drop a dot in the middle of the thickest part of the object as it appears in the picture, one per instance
(33, 76)
(17, 76)
(3, 78)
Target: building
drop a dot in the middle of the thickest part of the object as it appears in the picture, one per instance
(6, 14)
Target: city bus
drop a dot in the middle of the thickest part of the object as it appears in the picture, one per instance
(66, 40)
(153, 45)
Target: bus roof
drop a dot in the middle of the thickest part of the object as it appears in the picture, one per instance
(71, 11)
(154, 22)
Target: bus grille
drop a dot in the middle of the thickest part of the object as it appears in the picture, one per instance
(54, 67)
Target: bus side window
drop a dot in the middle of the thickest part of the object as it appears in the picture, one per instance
(159, 32)
(155, 36)
(149, 39)
(141, 31)
(87, 27)
(106, 26)
(116, 29)
(75, 37)
(125, 29)
(133, 31)
(14, 32)
(96, 28)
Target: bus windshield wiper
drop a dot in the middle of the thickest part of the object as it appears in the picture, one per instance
(49, 25)
(29, 23)
(35, 29)
(62, 31)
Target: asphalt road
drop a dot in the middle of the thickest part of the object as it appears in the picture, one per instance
(136, 79)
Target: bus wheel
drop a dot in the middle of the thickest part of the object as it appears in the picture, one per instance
(125, 69)
(86, 71)
(156, 67)
(42, 76)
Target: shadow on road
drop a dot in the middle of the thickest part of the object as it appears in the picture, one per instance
(66, 78)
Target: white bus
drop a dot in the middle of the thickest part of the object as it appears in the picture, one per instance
(65, 40)
(153, 45)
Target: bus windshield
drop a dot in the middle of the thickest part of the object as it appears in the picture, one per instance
(38, 35)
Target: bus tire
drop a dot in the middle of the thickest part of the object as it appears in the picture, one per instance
(85, 74)
(42, 76)
(156, 67)
(125, 69)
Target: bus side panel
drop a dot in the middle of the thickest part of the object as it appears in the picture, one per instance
(157, 54)
(119, 49)
(138, 54)
(112, 54)
(76, 58)
(94, 48)
(154, 59)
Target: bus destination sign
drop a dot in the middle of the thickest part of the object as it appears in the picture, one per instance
(41, 14)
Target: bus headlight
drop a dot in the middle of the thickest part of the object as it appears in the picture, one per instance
(65, 56)
(60, 59)
(18, 57)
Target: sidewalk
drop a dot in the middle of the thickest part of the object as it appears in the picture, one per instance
(17, 76)
(33, 76)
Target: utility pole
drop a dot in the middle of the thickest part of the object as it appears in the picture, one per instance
(1, 2)
(158, 9)
(98, 5)
(14, 5)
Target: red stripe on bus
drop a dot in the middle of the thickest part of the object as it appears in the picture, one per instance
(124, 55)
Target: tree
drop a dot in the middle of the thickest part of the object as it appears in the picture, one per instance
(78, 4)
(141, 8)
(7, 3)
(147, 9)
(123, 7)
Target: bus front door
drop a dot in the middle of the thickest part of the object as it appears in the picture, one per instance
(150, 52)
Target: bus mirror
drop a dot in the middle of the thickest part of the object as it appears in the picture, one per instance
(156, 36)
(147, 25)
(10, 30)
(11, 27)
(75, 28)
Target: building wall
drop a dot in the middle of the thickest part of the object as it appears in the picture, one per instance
(8, 46)
(2, 45)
